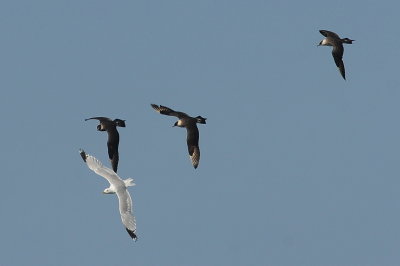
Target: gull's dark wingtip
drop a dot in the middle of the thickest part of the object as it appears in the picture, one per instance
(132, 234)
(83, 154)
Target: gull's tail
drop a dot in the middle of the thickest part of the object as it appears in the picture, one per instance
(129, 182)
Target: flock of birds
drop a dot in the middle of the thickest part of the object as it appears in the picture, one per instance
(119, 186)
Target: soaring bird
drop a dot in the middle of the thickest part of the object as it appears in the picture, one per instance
(117, 186)
(190, 123)
(332, 39)
(106, 124)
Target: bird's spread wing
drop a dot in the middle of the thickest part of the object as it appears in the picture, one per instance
(125, 209)
(337, 54)
(112, 145)
(101, 119)
(114, 158)
(97, 167)
(193, 144)
(168, 111)
(328, 33)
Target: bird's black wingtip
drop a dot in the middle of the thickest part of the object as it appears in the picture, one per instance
(83, 154)
(132, 234)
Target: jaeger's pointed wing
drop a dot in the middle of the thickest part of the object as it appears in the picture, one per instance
(337, 53)
(168, 111)
(328, 33)
(193, 144)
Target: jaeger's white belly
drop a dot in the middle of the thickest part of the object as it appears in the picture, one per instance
(326, 42)
(180, 123)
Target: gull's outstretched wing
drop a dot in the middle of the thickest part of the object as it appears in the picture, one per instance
(97, 167)
(125, 209)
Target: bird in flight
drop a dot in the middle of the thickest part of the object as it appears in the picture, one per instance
(332, 39)
(190, 123)
(106, 124)
(117, 186)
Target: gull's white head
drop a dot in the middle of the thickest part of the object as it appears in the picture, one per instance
(109, 191)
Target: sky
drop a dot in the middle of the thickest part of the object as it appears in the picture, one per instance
(298, 166)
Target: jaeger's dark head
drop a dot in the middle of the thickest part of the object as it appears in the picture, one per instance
(119, 122)
(347, 40)
(200, 119)
(176, 124)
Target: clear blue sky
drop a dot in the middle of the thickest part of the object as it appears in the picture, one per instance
(298, 166)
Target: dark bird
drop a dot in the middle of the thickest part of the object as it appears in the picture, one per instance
(190, 123)
(332, 39)
(106, 124)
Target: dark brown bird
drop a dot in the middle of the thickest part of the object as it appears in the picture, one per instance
(190, 123)
(106, 124)
(332, 39)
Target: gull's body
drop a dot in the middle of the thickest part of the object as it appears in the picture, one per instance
(332, 39)
(117, 186)
(106, 124)
(190, 123)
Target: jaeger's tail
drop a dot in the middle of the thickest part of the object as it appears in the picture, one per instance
(201, 120)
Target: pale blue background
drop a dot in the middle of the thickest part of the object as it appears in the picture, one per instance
(298, 166)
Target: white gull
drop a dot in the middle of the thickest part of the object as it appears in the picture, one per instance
(117, 186)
